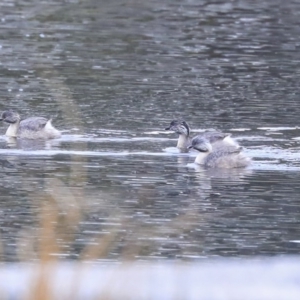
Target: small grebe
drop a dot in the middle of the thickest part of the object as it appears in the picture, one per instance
(184, 141)
(31, 128)
(218, 154)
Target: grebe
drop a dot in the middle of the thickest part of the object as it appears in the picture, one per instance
(31, 128)
(184, 141)
(218, 154)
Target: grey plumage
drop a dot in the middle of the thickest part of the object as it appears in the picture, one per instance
(219, 154)
(213, 136)
(33, 124)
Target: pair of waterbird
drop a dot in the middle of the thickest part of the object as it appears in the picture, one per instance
(215, 149)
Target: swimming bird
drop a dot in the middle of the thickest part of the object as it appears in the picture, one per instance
(184, 140)
(183, 130)
(31, 128)
(218, 154)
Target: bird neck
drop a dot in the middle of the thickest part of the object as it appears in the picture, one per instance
(182, 141)
(12, 130)
(200, 159)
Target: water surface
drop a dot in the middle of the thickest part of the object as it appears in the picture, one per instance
(112, 76)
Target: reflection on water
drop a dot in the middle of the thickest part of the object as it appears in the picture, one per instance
(113, 76)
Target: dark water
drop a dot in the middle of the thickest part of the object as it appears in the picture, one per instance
(112, 75)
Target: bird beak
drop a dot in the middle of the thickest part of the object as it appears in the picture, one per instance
(168, 128)
(190, 147)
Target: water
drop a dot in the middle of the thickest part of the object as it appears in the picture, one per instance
(112, 76)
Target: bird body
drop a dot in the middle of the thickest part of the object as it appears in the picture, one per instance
(219, 154)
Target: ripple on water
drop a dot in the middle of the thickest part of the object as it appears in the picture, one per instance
(113, 178)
